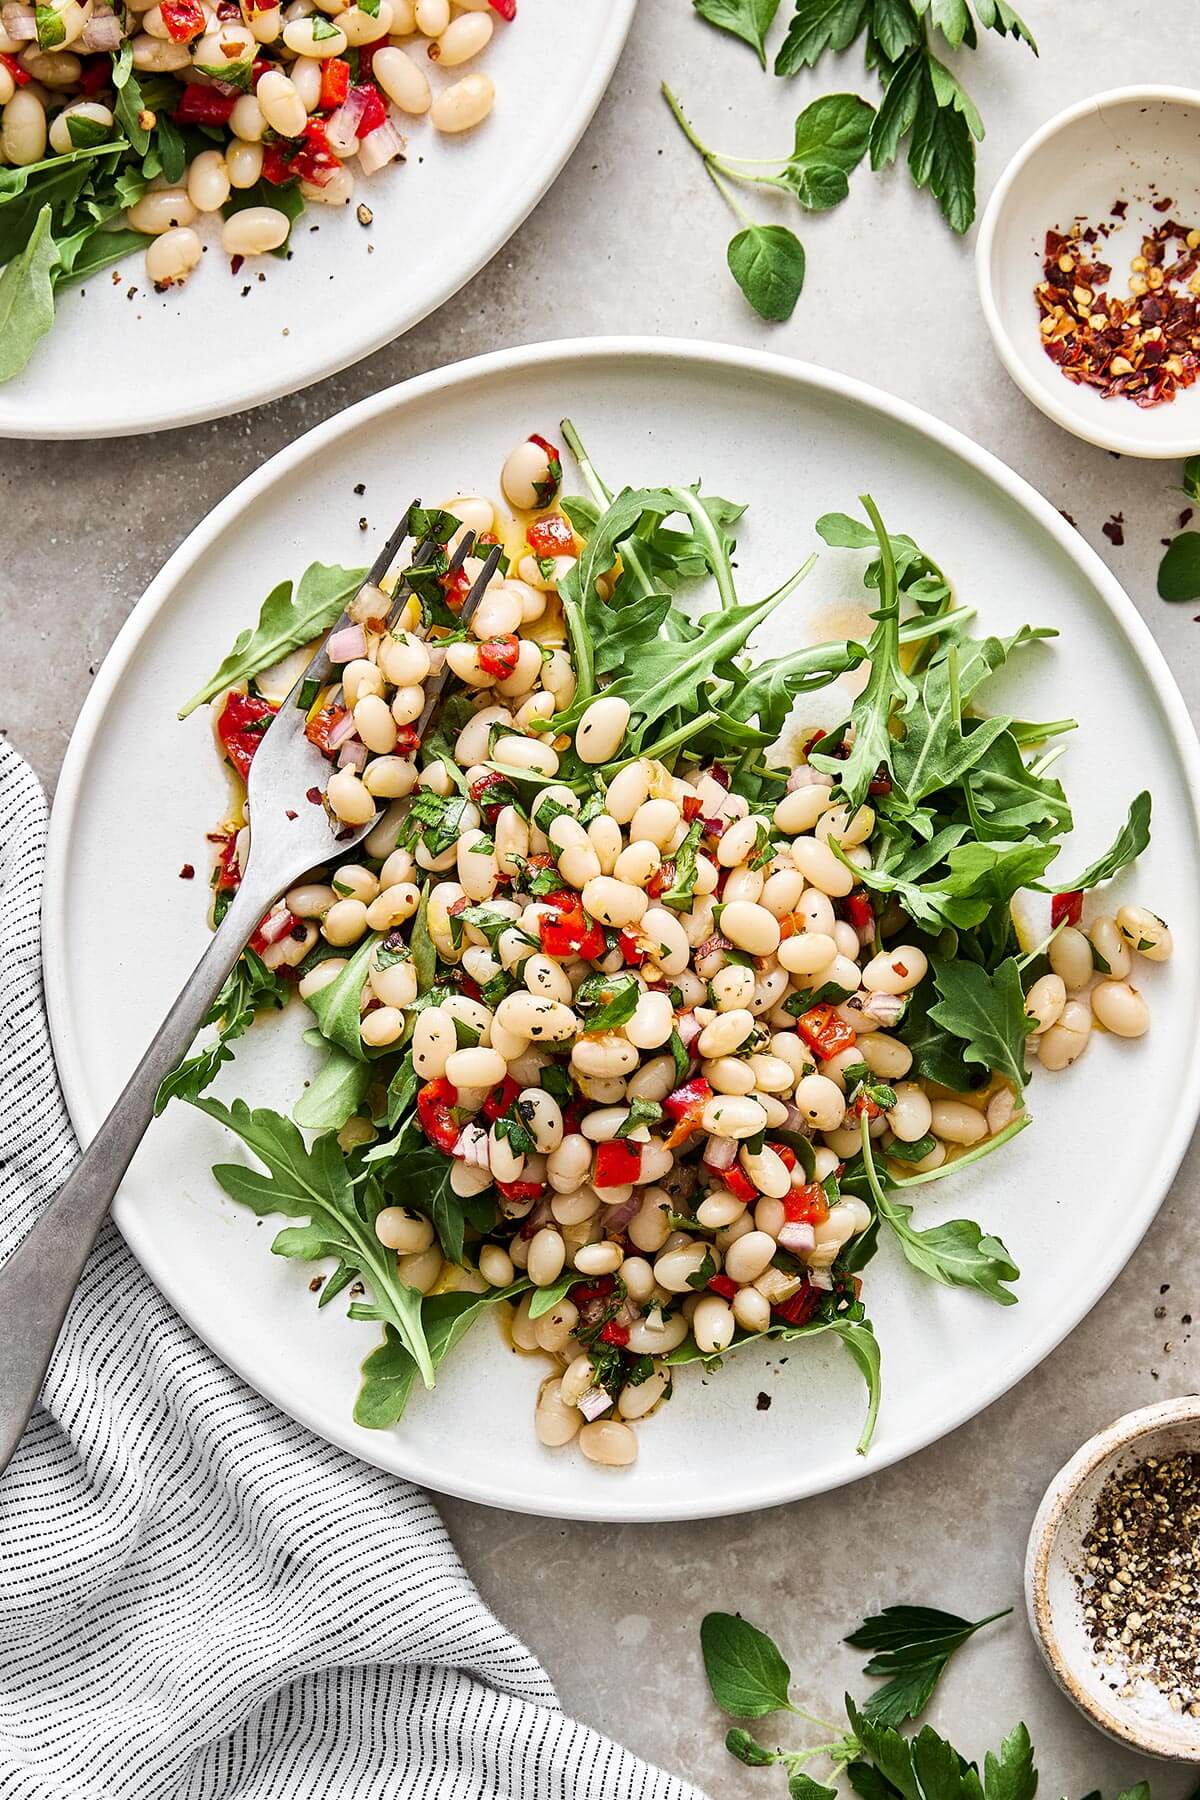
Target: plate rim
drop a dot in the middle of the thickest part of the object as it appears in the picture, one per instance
(731, 359)
(504, 223)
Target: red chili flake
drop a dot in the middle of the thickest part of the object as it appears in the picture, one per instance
(1184, 518)
(240, 726)
(584, 1292)
(691, 807)
(314, 796)
(1163, 205)
(236, 261)
(1066, 909)
(800, 1307)
(900, 968)
(187, 873)
(1113, 529)
(1120, 208)
(1144, 345)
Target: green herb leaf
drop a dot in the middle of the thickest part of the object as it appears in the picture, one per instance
(607, 1002)
(767, 262)
(912, 1645)
(1011, 1775)
(421, 944)
(286, 620)
(251, 988)
(545, 1299)
(334, 1094)
(817, 26)
(1128, 844)
(389, 1374)
(749, 20)
(803, 1787)
(747, 1675)
(1179, 570)
(27, 298)
(337, 1008)
(987, 1011)
(833, 132)
(748, 1750)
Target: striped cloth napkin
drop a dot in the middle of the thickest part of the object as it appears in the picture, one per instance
(198, 1599)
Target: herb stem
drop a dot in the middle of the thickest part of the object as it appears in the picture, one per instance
(664, 746)
(681, 121)
(602, 494)
(707, 157)
(969, 1156)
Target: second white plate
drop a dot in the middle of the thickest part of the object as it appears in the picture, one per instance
(123, 359)
(1071, 1197)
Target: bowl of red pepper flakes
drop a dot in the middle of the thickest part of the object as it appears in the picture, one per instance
(1088, 265)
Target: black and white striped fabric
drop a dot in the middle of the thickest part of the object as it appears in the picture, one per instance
(198, 1599)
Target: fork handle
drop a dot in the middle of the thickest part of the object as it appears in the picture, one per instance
(38, 1281)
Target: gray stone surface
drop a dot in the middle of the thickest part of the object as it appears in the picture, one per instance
(632, 239)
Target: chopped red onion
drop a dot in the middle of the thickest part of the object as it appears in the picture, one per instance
(19, 21)
(344, 645)
(380, 146)
(595, 1402)
(806, 776)
(887, 1008)
(721, 1153)
(437, 656)
(102, 32)
(795, 1118)
(353, 754)
(342, 126)
(341, 731)
(689, 1029)
(615, 1218)
(821, 1278)
(472, 1147)
(798, 1238)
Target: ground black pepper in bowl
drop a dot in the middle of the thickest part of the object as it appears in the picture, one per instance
(1140, 1584)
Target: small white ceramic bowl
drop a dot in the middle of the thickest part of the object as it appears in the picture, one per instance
(1142, 1719)
(1133, 144)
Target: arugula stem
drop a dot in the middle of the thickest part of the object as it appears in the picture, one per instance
(1038, 768)
(664, 746)
(707, 532)
(1037, 733)
(969, 1156)
(1023, 962)
(602, 494)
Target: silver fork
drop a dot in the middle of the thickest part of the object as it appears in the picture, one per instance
(289, 835)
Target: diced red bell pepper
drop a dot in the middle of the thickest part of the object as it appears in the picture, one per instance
(825, 1033)
(799, 1308)
(436, 1102)
(736, 1181)
(318, 729)
(634, 958)
(1066, 909)
(240, 727)
(685, 1099)
(662, 879)
(335, 82)
(584, 1292)
(723, 1285)
(691, 807)
(491, 792)
(314, 160)
(519, 1191)
(229, 870)
(806, 1205)
(618, 1163)
(865, 1108)
(786, 1155)
(277, 164)
(568, 931)
(22, 76)
(374, 112)
(184, 19)
(97, 74)
(573, 1115)
(501, 1098)
(204, 106)
(859, 911)
(498, 656)
(507, 9)
(553, 453)
(408, 741)
(880, 784)
(551, 536)
(614, 1333)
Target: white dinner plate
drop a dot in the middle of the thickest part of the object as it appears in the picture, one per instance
(1071, 1197)
(117, 363)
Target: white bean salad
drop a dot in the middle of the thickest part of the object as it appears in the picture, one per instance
(634, 1021)
(164, 114)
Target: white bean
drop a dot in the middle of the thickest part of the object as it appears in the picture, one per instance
(1070, 957)
(600, 731)
(466, 104)
(1110, 947)
(957, 1123)
(252, 232)
(609, 1442)
(172, 256)
(1045, 1000)
(895, 971)
(1121, 1009)
(1145, 932)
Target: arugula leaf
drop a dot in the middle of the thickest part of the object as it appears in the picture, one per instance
(421, 945)
(956, 1254)
(887, 685)
(27, 298)
(315, 1184)
(389, 1374)
(749, 20)
(130, 105)
(337, 1008)
(418, 1176)
(402, 1092)
(335, 1093)
(1128, 844)
(767, 262)
(912, 1645)
(249, 989)
(987, 1011)
(286, 620)
(746, 1674)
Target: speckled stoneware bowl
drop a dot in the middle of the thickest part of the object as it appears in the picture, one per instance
(1141, 1719)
